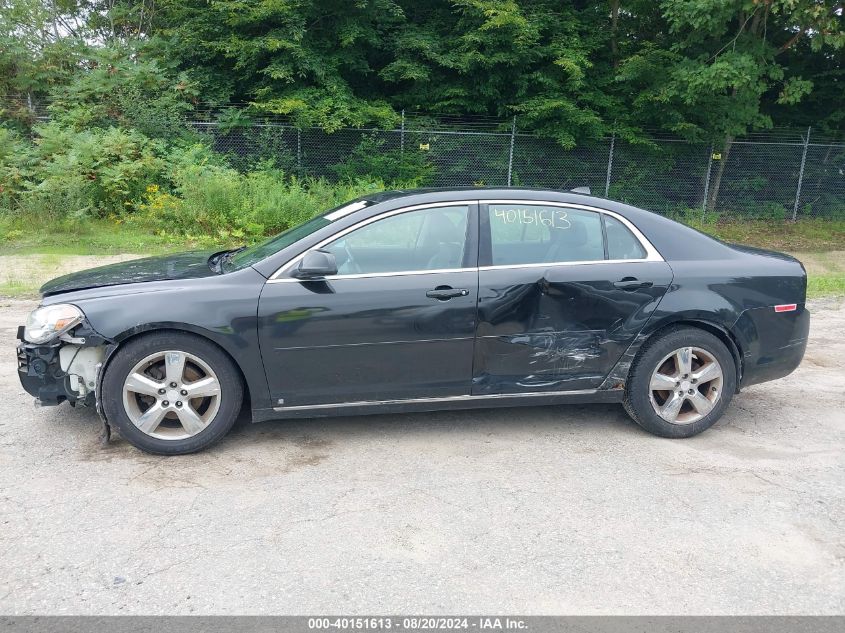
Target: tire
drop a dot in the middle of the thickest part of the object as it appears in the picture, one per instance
(661, 362)
(150, 413)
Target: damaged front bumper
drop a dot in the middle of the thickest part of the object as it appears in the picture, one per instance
(66, 369)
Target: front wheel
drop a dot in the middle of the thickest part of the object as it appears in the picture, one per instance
(681, 383)
(170, 393)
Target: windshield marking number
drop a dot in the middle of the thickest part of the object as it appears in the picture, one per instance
(552, 218)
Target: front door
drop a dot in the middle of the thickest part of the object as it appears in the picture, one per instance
(563, 292)
(397, 322)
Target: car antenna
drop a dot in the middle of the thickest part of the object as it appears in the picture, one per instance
(584, 190)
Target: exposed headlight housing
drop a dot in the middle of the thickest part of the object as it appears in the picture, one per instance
(48, 322)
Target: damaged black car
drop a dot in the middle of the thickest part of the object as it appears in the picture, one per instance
(422, 300)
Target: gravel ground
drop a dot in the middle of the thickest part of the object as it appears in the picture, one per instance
(537, 510)
(22, 275)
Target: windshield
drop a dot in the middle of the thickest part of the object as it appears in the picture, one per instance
(257, 252)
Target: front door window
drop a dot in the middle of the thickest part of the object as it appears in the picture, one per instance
(421, 240)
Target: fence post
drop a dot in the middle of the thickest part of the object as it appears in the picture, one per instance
(609, 165)
(402, 146)
(299, 149)
(510, 155)
(402, 137)
(801, 175)
(707, 182)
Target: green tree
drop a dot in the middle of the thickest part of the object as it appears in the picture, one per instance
(303, 59)
(714, 66)
(571, 71)
(120, 86)
(39, 50)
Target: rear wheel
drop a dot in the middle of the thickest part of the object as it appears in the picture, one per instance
(680, 383)
(170, 393)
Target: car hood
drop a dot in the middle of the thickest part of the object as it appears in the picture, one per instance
(189, 265)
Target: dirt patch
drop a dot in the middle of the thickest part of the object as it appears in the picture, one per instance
(22, 275)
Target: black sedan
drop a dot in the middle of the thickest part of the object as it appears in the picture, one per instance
(422, 300)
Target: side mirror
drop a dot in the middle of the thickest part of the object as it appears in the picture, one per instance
(316, 264)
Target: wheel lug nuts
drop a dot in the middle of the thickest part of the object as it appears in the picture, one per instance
(165, 403)
(178, 403)
(691, 391)
(162, 391)
(173, 384)
(184, 392)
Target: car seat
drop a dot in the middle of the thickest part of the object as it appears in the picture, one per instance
(441, 243)
(570, 244)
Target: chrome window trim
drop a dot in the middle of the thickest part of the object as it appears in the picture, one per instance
(557, 264)
(462, 398)
(652, 255)
(417, 207)
(402, 273)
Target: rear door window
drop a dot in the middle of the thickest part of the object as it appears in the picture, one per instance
(536, 234)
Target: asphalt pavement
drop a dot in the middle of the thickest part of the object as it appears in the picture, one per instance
(542, 510)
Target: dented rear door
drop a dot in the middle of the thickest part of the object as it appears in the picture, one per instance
(560, 328)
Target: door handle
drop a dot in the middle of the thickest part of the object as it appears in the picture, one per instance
(444, 293)
(632, 283)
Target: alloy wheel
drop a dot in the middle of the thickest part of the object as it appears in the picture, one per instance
(171, 395)
(686, 385)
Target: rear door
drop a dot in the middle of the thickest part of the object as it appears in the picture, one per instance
(563, 292)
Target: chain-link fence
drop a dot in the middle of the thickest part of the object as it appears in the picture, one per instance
(780, 174)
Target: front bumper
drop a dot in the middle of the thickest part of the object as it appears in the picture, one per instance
(41, 374)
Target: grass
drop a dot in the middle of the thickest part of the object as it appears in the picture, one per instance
(47, 243)
(808, 236)
(825, 286)
(825, 272)
(15, 288)
(89, 237)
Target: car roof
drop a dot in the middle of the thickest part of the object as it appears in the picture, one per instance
(480, 193)
(674, 241)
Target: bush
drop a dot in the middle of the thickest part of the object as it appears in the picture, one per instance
(204, 197)
(371, 160)
(94, 172)
(120, 88)
(188, 191)
(295, 201)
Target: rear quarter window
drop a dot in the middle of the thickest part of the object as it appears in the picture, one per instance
(621, 243)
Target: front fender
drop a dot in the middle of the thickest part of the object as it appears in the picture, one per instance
(193, 306)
